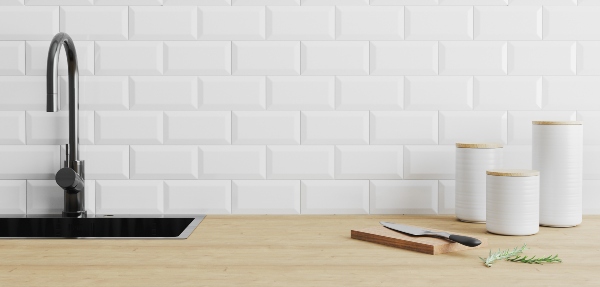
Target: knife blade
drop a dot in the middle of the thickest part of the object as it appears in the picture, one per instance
(417, 231)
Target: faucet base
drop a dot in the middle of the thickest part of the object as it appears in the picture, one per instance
(75, 214)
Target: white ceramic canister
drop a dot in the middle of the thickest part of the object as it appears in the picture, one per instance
(558, 155)
(512, 203)
(472, 161)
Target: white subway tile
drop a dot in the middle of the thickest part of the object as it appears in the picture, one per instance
(542, 58)
(369, 23)
(231, 23)
(90, 196)
(508, 23)
(53, 128)
(591, 196)
(368, 162)
(473, 127)
(520, 126)
(335, 196)
(335, 58)
(429, 161)
(588, 2)
(37, 58)
(163, 93)
(571, 23)
(369, 93)
(59, 2)
(591, 126)
(164, 162)
(129, 58)
(163, 23)
(205, 127)
(265, 196)
(197, 196)
(233, 162)
(232, 93)
(265, 58)
(404, 57)
(405, 127)
(439, 23)
(12, 58)
(44, 197)
(474, 2)
(543, 2)
(97, 93)
(300, 93)
(265, 2)
(13, 3)
(338, 127)
(404, 196)
(335, 2)
(197, 2)
(128, 2)
(14, 197)
(473, 58)
(103, 161)
(517, 157)
(289, 23)
(300, 162)
(591, 162)
(588, 57)
(507, 93)
(94, 23)
(265, 127)
(12, 127)
(571, 93)
(446, 193)
(26, 93)
(29, 161)
(197, 58)
(129, 197)
(115, 127)
(404, 2)
(438, 93)
(28, 23)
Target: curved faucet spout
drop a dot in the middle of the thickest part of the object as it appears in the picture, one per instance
(74, 198)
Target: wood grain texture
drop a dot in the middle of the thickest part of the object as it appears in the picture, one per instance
(543, 123)
(423, 244)
(479, 145)
(513, 172)
(298, 251)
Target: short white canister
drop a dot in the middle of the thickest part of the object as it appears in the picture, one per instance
(512, 201)
(472, 161)
(558, 155)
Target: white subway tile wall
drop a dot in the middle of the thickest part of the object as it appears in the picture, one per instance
(289, 106)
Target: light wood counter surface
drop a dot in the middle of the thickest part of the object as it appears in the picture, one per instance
(299, 251)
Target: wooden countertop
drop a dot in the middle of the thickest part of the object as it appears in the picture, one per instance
(298, 251)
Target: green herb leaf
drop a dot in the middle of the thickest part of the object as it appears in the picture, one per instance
(513, 256)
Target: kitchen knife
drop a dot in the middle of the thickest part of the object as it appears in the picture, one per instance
(416, 231)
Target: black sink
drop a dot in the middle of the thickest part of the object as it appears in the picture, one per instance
(99, 227)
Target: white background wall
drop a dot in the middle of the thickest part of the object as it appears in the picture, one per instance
(299, 106)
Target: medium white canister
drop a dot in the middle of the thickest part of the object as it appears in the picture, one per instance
(512, 203)
(558, 155)
(472, 161)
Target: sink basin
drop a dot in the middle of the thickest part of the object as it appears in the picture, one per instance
(99, 227)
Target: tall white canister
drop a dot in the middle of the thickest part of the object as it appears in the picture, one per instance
(472, 161)
(558, 155)
(513, 202)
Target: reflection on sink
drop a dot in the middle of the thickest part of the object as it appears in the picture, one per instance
(99, 227)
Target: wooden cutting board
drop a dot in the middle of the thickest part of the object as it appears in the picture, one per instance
(424, 244)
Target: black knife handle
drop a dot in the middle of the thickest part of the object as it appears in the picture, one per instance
(465, 240)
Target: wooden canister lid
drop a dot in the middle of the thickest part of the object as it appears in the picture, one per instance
(513, 172)
(478, 145)
(557, 122)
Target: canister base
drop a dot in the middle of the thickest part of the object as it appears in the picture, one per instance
(470, 221)
(558, 226)
(512, 234)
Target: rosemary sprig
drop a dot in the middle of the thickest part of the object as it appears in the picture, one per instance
(513, 256)
(533, 260)
(502, 254)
